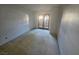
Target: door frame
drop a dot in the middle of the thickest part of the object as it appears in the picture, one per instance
(44, 22)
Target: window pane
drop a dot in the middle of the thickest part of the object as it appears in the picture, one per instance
(27, 19)
(40, 21)
(46, 20)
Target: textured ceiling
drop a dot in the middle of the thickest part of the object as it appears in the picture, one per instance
(38, 7)
(33, 7)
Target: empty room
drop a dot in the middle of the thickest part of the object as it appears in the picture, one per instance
(39, 29)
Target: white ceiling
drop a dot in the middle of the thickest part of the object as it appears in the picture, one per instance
(33, 7)
(38, 7)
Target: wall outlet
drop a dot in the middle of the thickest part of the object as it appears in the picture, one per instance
(0, 35)
(6, 37)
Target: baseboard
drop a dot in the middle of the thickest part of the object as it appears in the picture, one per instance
(54, 35)
(15, 38)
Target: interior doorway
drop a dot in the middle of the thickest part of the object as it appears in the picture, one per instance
(43, 22)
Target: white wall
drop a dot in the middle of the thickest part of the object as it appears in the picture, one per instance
(55, 20)
(12, 23)
(69, 30)
(32, 20)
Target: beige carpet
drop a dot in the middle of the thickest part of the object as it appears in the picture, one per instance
(36, 42)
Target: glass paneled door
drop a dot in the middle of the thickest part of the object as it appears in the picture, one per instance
(43, 21)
